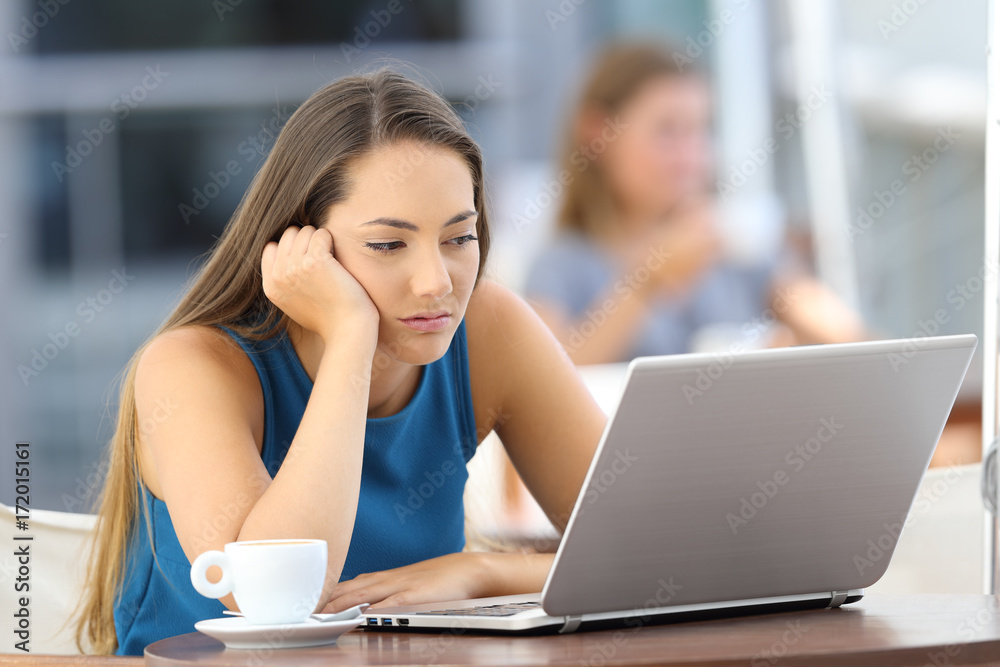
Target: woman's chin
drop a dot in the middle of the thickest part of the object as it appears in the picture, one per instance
(417, 348)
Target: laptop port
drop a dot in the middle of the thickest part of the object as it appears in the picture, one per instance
(372, 621)
(386, 621)
(404, 621)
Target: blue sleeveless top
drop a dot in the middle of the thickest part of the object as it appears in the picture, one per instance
(410, 506)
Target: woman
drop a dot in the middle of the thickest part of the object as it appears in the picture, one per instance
(338, 350)
(637, 266)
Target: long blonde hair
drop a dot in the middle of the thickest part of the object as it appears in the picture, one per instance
(588, 205)
(301, 178)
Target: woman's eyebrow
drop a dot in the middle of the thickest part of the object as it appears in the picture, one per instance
(405, 224)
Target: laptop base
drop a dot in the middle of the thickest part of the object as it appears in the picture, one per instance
(560, 625)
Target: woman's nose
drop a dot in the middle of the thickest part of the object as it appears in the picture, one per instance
(432, 278)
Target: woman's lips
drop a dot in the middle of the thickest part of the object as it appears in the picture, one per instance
(427, 323)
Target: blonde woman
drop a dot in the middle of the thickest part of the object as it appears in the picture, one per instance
(637, 266)
(339, 349)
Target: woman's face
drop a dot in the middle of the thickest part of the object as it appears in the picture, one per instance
(663, 156)
(407, 233)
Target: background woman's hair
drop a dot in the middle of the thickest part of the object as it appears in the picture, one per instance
(619, 72)
(302, 177)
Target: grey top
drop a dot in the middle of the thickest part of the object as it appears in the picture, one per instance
(572, 271)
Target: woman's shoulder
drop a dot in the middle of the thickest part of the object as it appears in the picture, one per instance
(493, 310)
(503, 332)
(195, 356)
(190, 383)
(191, 345)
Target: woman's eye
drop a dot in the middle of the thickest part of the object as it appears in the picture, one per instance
(462, 240)
(385, 247)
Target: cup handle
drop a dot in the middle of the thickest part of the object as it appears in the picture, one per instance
(199, 568)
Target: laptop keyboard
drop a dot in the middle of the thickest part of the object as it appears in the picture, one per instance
(486, 610)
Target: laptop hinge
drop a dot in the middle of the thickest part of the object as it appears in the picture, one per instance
(571, 624)
(837, 599)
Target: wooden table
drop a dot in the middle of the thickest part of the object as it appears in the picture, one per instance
(880, 630)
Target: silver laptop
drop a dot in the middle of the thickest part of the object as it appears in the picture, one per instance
(726, 484)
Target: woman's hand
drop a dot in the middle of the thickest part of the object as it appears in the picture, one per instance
(451, 577)
(690, 243)
(458, 576)
(303, 279)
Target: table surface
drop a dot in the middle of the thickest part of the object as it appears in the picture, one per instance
(883, 630)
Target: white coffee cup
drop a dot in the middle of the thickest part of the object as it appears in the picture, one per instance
(272, 581)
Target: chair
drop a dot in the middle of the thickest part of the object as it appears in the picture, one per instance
(58, 557)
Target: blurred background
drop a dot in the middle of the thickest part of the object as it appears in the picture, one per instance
(131, 130)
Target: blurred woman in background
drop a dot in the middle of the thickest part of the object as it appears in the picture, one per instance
(638, 266)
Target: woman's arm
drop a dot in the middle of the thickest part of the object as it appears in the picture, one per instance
(526, 388)
(607, 334)
(814, 314)
(204, 458)
(664, 261)
(551, 423)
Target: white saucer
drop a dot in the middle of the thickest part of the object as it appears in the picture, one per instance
(236, 632)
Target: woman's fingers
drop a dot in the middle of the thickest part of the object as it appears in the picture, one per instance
(362, 581)
(267, 260)
(281, 252)
(285, 249)
(374, 593)
(300, 243)
(321, 244)
(307, 283)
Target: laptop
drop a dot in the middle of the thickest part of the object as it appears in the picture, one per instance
(728, 484)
